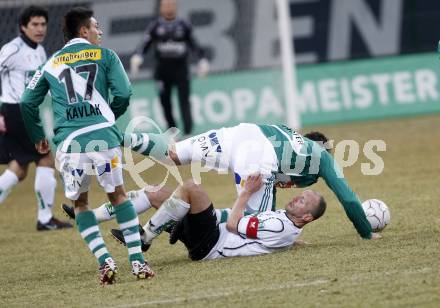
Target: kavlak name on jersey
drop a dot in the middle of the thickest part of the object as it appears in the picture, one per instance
(85, 110)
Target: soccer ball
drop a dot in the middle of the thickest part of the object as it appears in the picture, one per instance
(377, 213)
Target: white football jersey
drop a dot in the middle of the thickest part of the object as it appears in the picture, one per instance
(18, 63)
(258, 234)
(242, 149)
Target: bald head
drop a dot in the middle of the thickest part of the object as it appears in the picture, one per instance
(318, 209)
(306, 207)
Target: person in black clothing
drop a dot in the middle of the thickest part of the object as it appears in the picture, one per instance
(173, 39)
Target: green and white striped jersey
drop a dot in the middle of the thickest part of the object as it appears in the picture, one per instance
(80, 78)
(302, 162)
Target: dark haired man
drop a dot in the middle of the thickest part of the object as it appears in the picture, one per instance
(81, 76)
(19, 60)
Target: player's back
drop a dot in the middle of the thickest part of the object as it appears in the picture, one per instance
(80, 77)
(299, 158)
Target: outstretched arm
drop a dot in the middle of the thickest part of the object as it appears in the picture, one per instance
(192, 42)
(137, 58)
(252, 184)
(329, 171)
(147, 39)
(203, 66)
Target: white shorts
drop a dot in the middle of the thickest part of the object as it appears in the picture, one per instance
(210, 149)
(77, 168)
(242, 149)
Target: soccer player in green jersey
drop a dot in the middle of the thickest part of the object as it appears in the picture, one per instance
(80, 77)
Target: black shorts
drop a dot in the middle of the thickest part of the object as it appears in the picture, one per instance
(4, 154)
(15, 143)
(201, 233)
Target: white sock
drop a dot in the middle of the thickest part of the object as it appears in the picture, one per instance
(184, 151)
(7, 181)
(170, 212)
(139, 200)
(137, 197)
(105, 212)
(45, 184)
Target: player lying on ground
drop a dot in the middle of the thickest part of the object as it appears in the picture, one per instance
(241, 235)
(284, 157)
(81, 76)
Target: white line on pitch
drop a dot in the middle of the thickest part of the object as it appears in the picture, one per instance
(227, 293)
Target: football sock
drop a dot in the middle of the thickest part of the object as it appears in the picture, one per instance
(104, 212)
(170, 212)
(129, 225)
(45, 184)
(89, 230)
(184, 151)
(137, 197)
(7, 180)
(154, 145)
(223, 214)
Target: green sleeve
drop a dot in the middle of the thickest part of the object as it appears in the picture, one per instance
(331, 174)
(119, 84)
(31, 99)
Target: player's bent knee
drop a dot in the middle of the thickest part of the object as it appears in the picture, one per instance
(19, 170)
(156, 198)
(190, 185)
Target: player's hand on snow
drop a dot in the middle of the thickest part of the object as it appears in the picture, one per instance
(43, 146)
(203, 68)
(375, 236)
(253, 182)
(135, 62)
(2, 125)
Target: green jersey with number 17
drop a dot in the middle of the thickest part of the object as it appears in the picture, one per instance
(80, 78)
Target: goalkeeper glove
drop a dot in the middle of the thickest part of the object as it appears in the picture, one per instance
(203, 68)
(136, 61)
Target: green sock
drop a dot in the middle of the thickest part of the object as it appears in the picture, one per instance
(223, 214)
(129, 225)
(154, 145)
(89, 230)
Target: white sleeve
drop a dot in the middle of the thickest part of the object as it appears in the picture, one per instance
(6, 56)
(268, 229)
(44, 56)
